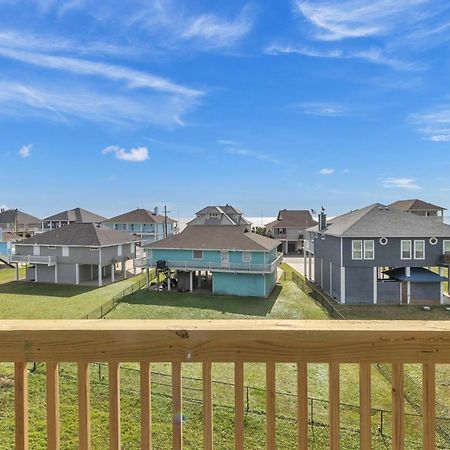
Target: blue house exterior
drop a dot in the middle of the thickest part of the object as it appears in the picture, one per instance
(234, 261)
(149, 226)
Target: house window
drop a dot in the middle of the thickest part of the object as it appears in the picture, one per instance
(380, 273)
(116, 226)
(36, 250)
(119, 250)
(133, 249)
(132, 227)
(369, 250)
(65, 251)
(406, 250)
(357, 249)
(197, 254)
(246, 257)
(446, 246)
(419, 249)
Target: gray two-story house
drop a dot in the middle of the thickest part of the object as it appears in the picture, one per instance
(74, 215)
(289, 228)
(380, 255)
(219, 215)
(76, 253)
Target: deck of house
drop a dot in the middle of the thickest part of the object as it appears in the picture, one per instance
(182, 342)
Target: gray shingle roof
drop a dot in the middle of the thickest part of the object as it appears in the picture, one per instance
(76, 215)
(81, 234)
(216, 237)
(139, 215)
(226, 215)
(379, 220)
(19, 217)
(290, 218)
(415, 205)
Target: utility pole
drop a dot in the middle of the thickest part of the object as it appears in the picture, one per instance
(165, 221)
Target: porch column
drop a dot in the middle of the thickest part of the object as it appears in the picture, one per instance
(304, 263)
(408, 285)
(147, 277)
(113, 270)
(17, 271)
(100, 275)
(35, 273)
(309, 267)
(168, 283)
(375, 285)
(286, 247)
(56, 273)
(92, 272)
(191, 281)
(442, 274)
(124, 269)
(199, 279)
(77, 274)
(342, 284)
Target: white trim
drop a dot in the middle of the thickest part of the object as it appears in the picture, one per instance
(442, 273)
(353, 249)
(433, 240)
(408, 285)
(35, 273)
(321, 273)
(247, 253)
(77, 273)
(415, 243)
(65, 251)
(375, 285)
(373, 249)
(383, 241)
(401, 249)
(56, 273)
(443, 244)
(342, 284)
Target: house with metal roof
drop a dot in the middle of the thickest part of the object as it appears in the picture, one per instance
(222, 259)
(148, 225)
(420, 208)
(78, 253)
(379, 255)
(219, 215)
(289, 228)
(74, 215)
(19, 222)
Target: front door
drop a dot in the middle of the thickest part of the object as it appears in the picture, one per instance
(224, 259)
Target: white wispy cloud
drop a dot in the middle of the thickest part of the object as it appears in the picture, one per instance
(435, 125)
(327, 171)
(136, 154)
(25, 151)
(225, 142)
(400, 183)
(234, 148)
(322, 109)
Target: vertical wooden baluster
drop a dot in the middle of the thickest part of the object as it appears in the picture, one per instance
(270, 406)
(177, 407)
(21, 405)
(84, 407)
(429, 406)
(397, 407)
(302, 405)
(239, 406)
(114, 405)
(333, 394)
(146, 406)
(207, 407)
(365, 406)
(52, 407)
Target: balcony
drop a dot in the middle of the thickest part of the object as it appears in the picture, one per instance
(214, 266)
(32, 259)
(207, 342)
(308, 246)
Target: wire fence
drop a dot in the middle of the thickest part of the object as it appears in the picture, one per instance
(109, 305)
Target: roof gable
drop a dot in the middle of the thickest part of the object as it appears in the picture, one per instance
(416, 204)
(76, 215)
(139, 215)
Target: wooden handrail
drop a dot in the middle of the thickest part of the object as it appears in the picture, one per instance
(239, 342)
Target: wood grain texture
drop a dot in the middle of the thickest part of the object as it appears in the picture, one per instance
(53, 425)
(114, 406)
(302, 405)
(225, 341)
(84, 408)
(21, 405)
(365, 416)
(429, 406)
(333, 394)
(398, 406)
(207, 407)
(146, 406)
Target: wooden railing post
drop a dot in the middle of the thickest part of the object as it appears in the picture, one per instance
(207, 407)
(302, 405)
(270, 406)
(146, 406)
(365, 381)
(53, 442)
(429, 406)
(177, 407)
(84, 406)
(114, 405)
(333, 394)
(239, 406)
(21, 405)
(397, 406)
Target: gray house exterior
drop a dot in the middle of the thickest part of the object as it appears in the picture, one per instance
(71, 216)
(219, 215)
(379, 255)
(289, 228)
(76, 253)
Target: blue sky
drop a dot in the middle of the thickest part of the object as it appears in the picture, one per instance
(263, 104)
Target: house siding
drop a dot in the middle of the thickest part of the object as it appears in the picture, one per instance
(358, 285)
(242, 284)
(389, 292)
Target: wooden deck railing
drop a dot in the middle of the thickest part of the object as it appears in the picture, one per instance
(208, 342)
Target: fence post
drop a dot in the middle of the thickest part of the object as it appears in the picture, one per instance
(247, 399)
(381, 422)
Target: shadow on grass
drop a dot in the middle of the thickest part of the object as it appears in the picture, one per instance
(248, 306)
(43, 289)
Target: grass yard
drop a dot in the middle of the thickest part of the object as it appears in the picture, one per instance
(26, 300)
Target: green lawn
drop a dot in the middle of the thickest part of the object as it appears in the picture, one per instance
(8, 274)
(26, 300)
